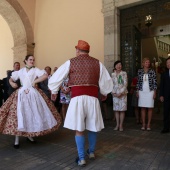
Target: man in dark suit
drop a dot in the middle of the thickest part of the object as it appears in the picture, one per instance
(44, 87)
(44, 84)
(1, 92)
(165, 96)
(5, 85)
(16, 67)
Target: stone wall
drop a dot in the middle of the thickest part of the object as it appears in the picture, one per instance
(20, 27)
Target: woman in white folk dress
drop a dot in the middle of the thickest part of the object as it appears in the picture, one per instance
(28, 111)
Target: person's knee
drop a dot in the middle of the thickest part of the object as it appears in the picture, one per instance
(79, 133)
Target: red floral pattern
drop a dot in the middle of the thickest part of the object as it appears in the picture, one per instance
(84, 70)
(8, 117)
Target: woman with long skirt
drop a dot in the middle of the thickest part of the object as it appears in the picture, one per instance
(28, 112)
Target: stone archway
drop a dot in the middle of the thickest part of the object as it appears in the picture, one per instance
(20, 27)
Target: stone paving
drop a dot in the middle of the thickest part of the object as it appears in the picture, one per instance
(131, 149)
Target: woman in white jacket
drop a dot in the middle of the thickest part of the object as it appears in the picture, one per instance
(119, 93)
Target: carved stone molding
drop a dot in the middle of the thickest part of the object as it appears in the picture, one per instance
(30, 48)
(25, 20)
(108, 7)
(20, 27)
(14, 22)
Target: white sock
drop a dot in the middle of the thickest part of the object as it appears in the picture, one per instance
(31, 139)
(16, 140)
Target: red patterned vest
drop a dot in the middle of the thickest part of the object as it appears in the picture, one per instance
(84, 70)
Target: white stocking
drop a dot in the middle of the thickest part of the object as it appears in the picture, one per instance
(16, 140)
(31, 139)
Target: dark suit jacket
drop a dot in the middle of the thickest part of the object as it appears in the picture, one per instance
(5, 88)
(44, 87)
(165, 85)
(1, 92)
(10, 88)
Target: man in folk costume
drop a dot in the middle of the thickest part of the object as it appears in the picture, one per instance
(86, 77)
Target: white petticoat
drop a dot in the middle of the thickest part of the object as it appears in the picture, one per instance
(84, 113)
(32, 112)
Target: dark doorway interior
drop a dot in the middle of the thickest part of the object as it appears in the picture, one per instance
(140, 37)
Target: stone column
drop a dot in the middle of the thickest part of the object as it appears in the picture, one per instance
(30, 48)
(19, 53)
(111, 33)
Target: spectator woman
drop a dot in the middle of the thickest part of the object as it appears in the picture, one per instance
(28, 111)
(119, 93)
(65, 97)
(146, 92)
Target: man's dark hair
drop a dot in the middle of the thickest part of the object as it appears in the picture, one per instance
(48, 67)
(16, 63)
(167, 59)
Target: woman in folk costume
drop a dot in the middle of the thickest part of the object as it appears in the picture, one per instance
(28, 111)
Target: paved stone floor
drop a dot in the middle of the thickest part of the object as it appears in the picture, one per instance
(131, 149)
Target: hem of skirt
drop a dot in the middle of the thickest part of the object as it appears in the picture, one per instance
(120, 110)
(75, 129)
(32, 134)
(95, 130)
(147, 106)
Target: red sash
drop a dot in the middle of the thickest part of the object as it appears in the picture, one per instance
(84, 90)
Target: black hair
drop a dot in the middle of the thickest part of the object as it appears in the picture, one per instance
(27, 57)
(48, 67)
(117, 62)
(167, 59)
(16, 63)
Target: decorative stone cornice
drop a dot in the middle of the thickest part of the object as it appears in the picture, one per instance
(23, 18)
(20, 27)
(30, 48)
(14, 22)
(108, 7)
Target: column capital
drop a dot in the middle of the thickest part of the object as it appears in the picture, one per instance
(108, 7)
(30, 48)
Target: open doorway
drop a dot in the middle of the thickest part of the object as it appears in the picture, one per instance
(156, 48)
(139, 39)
